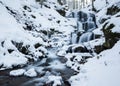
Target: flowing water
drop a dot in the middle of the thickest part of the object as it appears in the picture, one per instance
(86, 23)
(52, 65)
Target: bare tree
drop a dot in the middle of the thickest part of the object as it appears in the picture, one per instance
(93, 8)
(62, 2)
(41, 2)
(107, 2)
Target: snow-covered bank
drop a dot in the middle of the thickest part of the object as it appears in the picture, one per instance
(24, 31)
(32, 36)
(102, 70)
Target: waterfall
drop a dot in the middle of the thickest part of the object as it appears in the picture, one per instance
(73, 38)
(86, 23)
(86, 37)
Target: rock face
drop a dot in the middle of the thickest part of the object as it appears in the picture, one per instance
(113, 9)
(77, 49)
(61, 12)
(110, 37)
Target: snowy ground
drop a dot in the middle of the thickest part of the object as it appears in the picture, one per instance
(25, 19)
(34, 42)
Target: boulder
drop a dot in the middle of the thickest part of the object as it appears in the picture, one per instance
(113, 9)
(110, 37)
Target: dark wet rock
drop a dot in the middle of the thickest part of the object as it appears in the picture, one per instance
(58, 21)
(97, 36)
(33, 16)
(118, 16)
(2, 43)
(69, 50)
(67, 83)
(10, 50)
(11, 11)
(110, 37)
(82, 16)
(1, 65)
(76, 49)
(99, 48)
(28, 27)
(25, 50)
(27, 8)
(113, 9)
(61, 12)
(80, 49)
(44, 32)
(103, 20)
(37, 45)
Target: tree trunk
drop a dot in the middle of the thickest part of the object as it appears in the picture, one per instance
(93, 8)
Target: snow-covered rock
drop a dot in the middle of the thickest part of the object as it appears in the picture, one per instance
(17, 72)
(56, 79)
(25, 28)
(30, 72)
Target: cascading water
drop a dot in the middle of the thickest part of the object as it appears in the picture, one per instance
(86, 37)
(86, 23)
(74, 38)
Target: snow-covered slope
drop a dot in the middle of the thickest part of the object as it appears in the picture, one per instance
(103, 69)
(24, 29)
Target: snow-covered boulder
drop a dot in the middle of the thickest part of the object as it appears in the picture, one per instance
(111, 32)
(57, 80)
(30, 73)
(25, 28)
(17, 72)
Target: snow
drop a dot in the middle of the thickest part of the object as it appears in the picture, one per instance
(115, 21)
(11, 30)
(93, 43)
(76, 59)
(9, 61)
(30, 72)
(101, 2)
(57, 79)
(100, 72)
(17, 72)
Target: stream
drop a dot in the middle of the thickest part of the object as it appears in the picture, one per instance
(53, 65)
